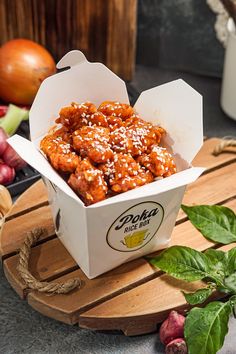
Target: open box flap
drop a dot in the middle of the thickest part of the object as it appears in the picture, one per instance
(177, 107)
(31, 155)
(83, 81)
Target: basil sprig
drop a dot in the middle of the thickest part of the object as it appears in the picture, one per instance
(217, 223)
(200, 296)
(205, 328)
(186, 264)
(216, 268)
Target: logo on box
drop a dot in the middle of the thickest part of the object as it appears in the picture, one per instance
(136, 227)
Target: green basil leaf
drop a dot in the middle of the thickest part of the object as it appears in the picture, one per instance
(222, 263)
(183, 263)
(217, 223)
(232, 300)
(218, 262)
(198, 297)
(205, 328)
(216, 257)
(230, 282)
(231, 261)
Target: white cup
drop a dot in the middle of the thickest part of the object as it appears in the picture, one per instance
(228, 92)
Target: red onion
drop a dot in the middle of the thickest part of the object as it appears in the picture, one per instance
(177, 346)
(3, 110)
(172, 327)
(12, 159)
(3, 141)
(7, 174)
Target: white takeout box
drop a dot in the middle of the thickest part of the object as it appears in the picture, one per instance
(127, 226)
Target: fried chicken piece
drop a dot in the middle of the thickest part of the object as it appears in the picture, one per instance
(59, 153)
(128, 183)
(143, 135)
(88, 182)
(99, 119)
(112, 108)
(121, 141)
(159, 132)
(135, 137)
(75, 116)
(124, 173)
(64, 133)
(114, 122)
(136, 121)
(160, 162)
(119, 166)
(93, 142)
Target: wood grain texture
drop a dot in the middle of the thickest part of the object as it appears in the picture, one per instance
(149, 300)
(3, 21)
(14, 231)
(68, 308)
(211, 188)
(105, 30)
(133, 297)
(121, 28)
(35, 197)
(205, 157)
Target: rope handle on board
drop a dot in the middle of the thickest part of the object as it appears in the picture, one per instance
(30, 280)
(223, 144)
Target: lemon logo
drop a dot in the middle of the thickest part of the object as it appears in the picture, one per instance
(136, 227)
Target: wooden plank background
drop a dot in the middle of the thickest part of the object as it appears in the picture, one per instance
(105, 30)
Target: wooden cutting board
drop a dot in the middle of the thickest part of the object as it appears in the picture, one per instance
(132, 298)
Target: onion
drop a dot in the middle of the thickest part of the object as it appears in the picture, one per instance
(24, 64)
(3, 141)
(12, 159)
(7, 174)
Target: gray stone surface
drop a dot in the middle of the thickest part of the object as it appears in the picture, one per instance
(178, 35)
